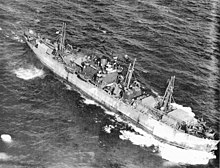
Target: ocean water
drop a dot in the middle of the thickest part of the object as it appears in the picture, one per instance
(52, 125)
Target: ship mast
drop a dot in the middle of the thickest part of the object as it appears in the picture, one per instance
(62, 39)
(129, 74)
(168, 95)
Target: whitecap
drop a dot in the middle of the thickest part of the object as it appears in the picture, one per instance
(17, 38)
(89, 101)
(68, 87)
(6, 138)
(28, 73)
(109, 113)
(4, 156)
(183, 156)
(37, 20)
(139, 137)
(108, 128)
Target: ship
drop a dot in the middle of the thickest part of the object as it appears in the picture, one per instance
(107, 81)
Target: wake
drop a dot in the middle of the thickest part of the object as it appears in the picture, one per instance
(168, 152)
(172, 154)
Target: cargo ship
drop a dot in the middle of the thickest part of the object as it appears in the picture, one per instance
(111, 84)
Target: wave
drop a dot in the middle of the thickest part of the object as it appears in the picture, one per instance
(168, 152)
(4, 156)
(68, 87)
(89, 101)
(110, 113)
(16, 34)
(17, 38)
(29, 73)
(182, 156)
(172, 154)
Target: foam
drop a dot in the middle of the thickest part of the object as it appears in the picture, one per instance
(4, 156)
(108, 128)
(109, 113)
(89, 101)
(68, 87)
(168, 152)
(28, 73)
(6, 138)
(173, 155)
(183, 156)
(17, 38)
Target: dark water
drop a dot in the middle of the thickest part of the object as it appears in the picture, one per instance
(52, 126)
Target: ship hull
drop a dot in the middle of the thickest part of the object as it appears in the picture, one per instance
(141, 118)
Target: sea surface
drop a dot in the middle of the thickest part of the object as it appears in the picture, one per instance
(53, 125)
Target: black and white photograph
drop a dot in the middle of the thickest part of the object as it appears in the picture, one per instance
(109, 83)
